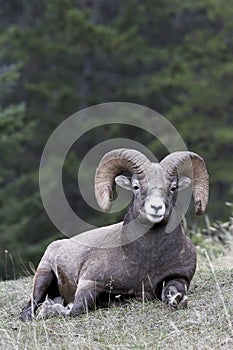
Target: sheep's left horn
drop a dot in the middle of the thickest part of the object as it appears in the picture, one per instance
(193, 166)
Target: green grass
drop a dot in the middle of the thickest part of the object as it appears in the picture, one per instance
(205, 324)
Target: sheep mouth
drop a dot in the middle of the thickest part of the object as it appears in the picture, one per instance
(154, 218)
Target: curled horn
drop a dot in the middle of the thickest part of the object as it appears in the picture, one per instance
(193, 166)
(112, 164)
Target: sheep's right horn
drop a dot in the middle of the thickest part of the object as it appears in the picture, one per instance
(112, 164)
(193, 166)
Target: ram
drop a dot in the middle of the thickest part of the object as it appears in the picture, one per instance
(147, 255)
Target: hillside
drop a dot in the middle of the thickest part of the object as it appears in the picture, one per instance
(205, 324)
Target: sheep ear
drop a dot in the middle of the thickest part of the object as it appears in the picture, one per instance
(183, 182)
(124, 182)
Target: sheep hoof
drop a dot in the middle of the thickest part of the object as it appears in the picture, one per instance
(184, 302)
(175, 299)
(25, 316)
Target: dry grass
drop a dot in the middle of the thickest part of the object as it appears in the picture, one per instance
(205, 324)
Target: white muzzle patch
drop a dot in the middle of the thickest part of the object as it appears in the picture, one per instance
(155, 209)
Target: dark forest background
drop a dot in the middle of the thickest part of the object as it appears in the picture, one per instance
(60, 56)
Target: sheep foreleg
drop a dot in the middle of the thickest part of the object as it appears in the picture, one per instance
(85, 297)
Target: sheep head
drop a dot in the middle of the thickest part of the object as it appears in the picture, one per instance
(153, 184)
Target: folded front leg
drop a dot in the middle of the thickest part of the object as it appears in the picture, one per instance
(85, 297)
(174, 293)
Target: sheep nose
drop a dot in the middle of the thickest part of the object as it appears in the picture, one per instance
(156, 208)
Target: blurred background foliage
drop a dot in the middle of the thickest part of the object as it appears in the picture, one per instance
(59, 56)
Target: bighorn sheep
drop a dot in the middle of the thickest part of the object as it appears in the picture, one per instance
(148, 260)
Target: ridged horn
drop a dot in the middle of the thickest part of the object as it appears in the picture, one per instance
(193, 166)
(112, 164)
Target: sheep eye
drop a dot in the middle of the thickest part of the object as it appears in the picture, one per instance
(173, 188)
(135, 187)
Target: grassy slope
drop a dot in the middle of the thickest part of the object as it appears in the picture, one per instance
(205, 324)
